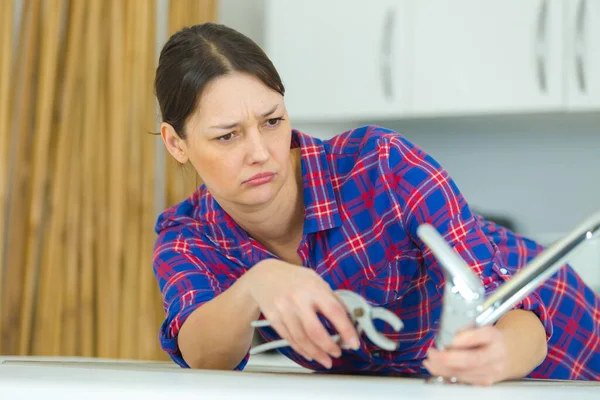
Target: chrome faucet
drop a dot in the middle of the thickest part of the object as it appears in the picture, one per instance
(465, 304)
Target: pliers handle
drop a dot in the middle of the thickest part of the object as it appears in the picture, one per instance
(361, 313)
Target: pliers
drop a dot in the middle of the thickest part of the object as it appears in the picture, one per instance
(361, 313)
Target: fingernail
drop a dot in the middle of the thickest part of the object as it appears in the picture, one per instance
(355, 343)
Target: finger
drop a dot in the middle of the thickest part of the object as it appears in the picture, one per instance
(318, 334)
(336, 313)
(479, 378)
(435, 369)
(438, 368)
(475, 337)
(300, 338)
(464, 360)
(460, 363)
(284, 333)
(486, 376)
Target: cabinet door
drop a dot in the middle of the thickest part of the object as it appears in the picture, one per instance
(339, 59)
(583, 54)
(487, 56)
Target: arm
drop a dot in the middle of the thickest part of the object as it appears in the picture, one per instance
(218, 334)
(210, 302)
(206, 300)
(525, 340)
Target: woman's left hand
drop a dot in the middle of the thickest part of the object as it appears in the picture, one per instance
(477, 356)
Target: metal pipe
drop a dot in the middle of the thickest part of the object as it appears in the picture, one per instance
(537, 271)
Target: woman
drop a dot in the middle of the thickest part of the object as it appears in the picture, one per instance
(284, 219)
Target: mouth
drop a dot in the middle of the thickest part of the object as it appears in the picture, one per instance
(260, 179)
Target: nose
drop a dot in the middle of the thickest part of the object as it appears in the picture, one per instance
(257, 150)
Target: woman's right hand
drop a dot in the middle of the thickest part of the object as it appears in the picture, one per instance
(290, 297)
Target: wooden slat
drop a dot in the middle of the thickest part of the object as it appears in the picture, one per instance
(149, 325)
(42, 135)
(118, 163)
(89, 132)
(52, 295)
(106, 329)
(72, 310)
(20, 182)
(6, 59)
(70, 129)
(128, 342)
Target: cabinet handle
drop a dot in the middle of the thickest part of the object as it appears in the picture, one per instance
(541, 46)
(386, 53)
(580, 46)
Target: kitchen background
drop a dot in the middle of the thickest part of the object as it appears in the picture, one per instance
(504, 94)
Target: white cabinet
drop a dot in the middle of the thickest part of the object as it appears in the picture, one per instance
(340, 59)
(582, 58)
(348, 60)
(487, 56)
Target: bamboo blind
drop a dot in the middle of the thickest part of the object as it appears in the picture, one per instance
(77, 174)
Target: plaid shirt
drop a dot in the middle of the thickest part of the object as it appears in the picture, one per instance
(365, 193)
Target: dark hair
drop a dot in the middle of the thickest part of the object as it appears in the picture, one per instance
(195, 56)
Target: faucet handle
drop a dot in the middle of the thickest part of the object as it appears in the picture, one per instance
(465, 281)
(464, 293)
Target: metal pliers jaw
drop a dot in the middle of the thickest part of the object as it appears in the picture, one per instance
(361, 313)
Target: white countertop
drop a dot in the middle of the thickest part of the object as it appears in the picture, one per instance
(266, 377)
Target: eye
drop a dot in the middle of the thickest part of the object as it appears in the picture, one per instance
(226, 138)
(273, 122)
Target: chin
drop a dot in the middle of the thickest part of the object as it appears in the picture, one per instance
(260, 195)
(257, 199)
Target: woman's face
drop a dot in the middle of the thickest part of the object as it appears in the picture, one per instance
(238, 140)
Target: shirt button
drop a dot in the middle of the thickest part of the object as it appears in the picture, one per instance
(376, 354)
(504, 271)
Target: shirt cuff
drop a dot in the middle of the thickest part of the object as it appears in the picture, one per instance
(533, 302)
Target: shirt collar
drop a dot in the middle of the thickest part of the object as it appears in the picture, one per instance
(320, 205)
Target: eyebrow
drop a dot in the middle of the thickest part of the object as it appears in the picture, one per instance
(233, 125)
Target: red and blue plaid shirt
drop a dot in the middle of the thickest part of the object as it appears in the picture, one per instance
(365, 193)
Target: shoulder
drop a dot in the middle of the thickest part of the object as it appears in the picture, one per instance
(373, 146)
(182, 221)
(361, 140)
(201, 231)
(389, 146)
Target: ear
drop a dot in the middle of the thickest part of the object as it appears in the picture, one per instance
(174, 144)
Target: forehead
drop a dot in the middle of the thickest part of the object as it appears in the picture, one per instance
(235, 96)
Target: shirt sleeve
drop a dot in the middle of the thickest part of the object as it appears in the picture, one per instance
(427, 194)
(189, 273)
